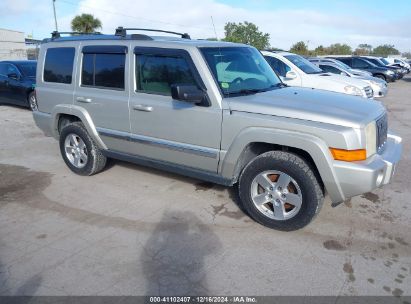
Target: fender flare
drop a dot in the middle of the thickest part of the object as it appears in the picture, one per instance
(84, 117)
(314, 146)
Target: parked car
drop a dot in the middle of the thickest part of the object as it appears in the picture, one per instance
(295, 70)
(397, 62)
(378, 62)
(400, 65)
(355, 72)
(17, 81)
(362, 64)
(215, 111)
(378, 85)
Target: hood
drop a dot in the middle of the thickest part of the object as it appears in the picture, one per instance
(310, 104)
(343, 79)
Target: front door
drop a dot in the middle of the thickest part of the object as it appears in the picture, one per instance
(164, 129)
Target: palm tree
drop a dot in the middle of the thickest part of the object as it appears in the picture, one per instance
(85, 23)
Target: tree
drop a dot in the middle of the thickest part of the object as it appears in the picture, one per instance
(85, 23)
(247, 33)
(363, 49)
(339, 49)
(300, 48)
(320, 50)
(385, 50)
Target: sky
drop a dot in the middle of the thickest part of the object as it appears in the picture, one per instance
(317, 22)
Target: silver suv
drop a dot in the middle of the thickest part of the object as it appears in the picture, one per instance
(214, 111)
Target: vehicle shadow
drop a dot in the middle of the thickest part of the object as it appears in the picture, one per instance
(173, 258)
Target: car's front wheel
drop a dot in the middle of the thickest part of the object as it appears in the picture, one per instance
(32, 101)
(279, 190)
(79, 151)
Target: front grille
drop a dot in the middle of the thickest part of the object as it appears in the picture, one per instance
(369, 92)
(382, 129)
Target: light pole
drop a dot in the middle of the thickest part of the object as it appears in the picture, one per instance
(55, 18)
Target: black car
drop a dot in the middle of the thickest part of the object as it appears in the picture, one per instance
(362, 64)
(17, 82)
(380, 63)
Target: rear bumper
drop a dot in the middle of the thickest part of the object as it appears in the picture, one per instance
(43, 121)
(356, 178)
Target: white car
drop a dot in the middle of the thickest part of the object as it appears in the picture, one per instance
(398, 61)
(295, 70)
(379, 86)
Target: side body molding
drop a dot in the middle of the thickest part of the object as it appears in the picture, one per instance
(316, 147)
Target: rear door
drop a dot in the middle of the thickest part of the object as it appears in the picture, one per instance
(103, 90)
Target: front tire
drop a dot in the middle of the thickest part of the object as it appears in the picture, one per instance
(280, 190)
(32, 101)
(79, 151)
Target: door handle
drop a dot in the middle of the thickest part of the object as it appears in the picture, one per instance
(84, 99)
(143, 108)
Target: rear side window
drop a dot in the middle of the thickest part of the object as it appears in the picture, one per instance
(104, 67)
(58, 66)
(156, 73)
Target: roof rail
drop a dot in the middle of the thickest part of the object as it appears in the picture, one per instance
(122, 31)
(56, 34)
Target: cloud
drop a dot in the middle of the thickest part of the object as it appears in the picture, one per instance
(286, 26)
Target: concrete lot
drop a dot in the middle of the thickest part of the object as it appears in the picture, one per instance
(134, 231)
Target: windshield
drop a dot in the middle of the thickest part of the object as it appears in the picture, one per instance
(303, 64)
(28, 69)
(342, 64)
(384, 61)
(240, 70)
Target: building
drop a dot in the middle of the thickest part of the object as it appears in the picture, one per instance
(12, 45)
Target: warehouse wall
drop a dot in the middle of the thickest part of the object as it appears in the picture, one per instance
(12, 46)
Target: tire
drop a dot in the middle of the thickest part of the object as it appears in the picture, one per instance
(83, 156)
(32, 101)
(298, 201)
(380, 76)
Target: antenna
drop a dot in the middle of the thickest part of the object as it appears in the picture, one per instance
(215, 32)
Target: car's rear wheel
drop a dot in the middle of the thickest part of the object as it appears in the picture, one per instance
(280, 190)
(79, 151)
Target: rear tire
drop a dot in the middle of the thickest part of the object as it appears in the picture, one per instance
(79, 151)
(279, 190)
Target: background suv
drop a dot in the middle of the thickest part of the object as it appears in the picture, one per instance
(378, 85)
(17, 80)
(363, 64)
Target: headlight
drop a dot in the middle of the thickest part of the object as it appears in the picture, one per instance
(389, 72)
(352, 90)
(371, 138)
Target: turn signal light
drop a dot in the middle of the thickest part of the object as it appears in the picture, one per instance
(349, 155)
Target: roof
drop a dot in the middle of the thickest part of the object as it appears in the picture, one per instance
(18, 61)
(145, 38)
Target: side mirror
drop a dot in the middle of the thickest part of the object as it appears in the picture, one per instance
(291, 75)
(13, 76)
(187, 92)
(344, 74)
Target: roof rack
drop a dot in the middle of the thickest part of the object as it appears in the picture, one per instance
(122, 31)
(56, 34)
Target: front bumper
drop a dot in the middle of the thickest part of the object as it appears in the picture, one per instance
(380, 91)
(356, 178)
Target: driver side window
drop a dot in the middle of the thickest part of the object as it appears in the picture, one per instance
(278, 66)
(155, 73)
